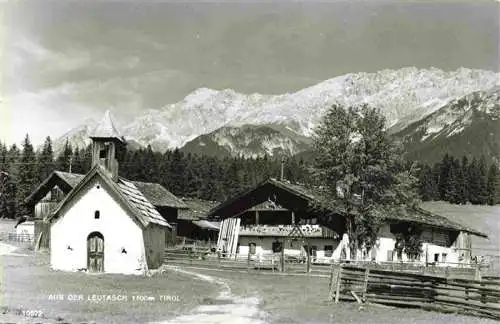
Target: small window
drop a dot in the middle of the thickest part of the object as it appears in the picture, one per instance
(252, 247)
(390, 255)
(436, 257)
(311, 250)
(328, 250)
(102, 154)
(97, 214)
(277, 246)
(443, 257)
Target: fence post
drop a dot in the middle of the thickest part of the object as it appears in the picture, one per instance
(218, 259)
(248, 261)
(337, 289)
(365, 285)
(333, 282)
(283, 256)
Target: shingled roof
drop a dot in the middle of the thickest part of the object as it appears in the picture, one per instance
(311, 194)
(71, 179)
(154, 192)
(158, 195)
(147, 212)
(125, 191)
(197, 209)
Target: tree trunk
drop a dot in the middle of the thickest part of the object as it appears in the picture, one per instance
(352, 238)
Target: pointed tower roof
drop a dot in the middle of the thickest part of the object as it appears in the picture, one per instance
(106, 128)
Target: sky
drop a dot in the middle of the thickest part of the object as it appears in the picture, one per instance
(62, 62)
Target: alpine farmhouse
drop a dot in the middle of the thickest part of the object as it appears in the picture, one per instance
(276, 217)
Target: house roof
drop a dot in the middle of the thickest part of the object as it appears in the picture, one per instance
(197, 209)
(154, 192)
(106, 128)
(125, 191)
(158, 195)
(71, 179)
(421, 216)
(65, 181)
(245, 201)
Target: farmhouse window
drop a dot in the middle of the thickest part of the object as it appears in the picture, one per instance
(277, 246)
(436, 257)
(443, 257)
(390, 255)
(97, 214)
(252, 248)
(328, 250)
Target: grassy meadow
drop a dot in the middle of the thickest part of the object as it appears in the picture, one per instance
(27, 284)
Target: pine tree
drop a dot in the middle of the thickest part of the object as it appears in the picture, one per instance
(483, 181)
(65, 158)
(27, 177)
(463, 181)
(8, 199)
(474, 182)
(192, 180)
(427, 184)
(451, 193)
(444, 177)
(177, 173)
(492, 185)
(46, 164)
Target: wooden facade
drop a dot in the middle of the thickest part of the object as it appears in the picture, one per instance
(291, 205)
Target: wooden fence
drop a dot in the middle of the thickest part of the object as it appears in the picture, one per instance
(396, 288)
(16, 237)
(203, 256)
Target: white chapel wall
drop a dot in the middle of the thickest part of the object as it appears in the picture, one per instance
(119, 230)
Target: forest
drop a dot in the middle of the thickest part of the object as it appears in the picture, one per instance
(460, 181)
(185, 175)
(457, 181)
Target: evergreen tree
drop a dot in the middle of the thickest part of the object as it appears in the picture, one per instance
(46, 164)
(427, 184)
(192, 176)
(177, 173)
(65, 158)
(463, 181)
(451, 188)
(8, 199)
(27, 177)
(474, 182)
(444, 177)
(483, 181)
(492, 185)
(460, 183)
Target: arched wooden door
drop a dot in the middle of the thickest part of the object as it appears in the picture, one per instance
(95, 252)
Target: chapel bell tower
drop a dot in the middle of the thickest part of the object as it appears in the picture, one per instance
(108, 146)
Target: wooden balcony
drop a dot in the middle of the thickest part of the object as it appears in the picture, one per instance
(284, 230)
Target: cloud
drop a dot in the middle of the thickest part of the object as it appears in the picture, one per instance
(55, 110)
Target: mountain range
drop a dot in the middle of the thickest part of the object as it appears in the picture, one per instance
(426, 108)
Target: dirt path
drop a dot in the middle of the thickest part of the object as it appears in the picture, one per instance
(226, 308)
(7, 249)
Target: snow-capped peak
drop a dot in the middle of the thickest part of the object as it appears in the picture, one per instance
(403, 96)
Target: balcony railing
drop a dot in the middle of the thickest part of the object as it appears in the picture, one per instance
(284, 230)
